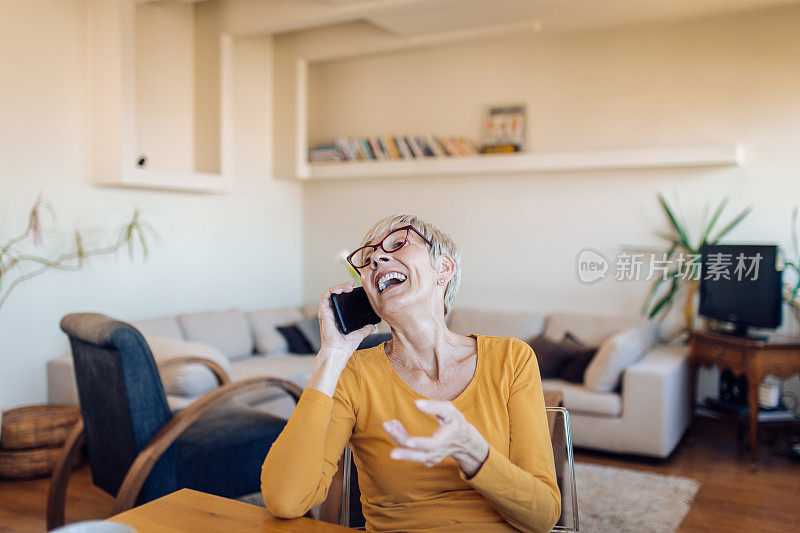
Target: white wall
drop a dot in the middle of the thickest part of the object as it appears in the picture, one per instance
(735, 78)
(730, 79)
(216, 251)
(165, 72)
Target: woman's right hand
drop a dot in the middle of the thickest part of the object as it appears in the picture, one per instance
(336, 348)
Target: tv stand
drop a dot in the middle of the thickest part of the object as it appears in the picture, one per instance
(740, 331)
(753, 358)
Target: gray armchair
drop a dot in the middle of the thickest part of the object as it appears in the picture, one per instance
(138, 450)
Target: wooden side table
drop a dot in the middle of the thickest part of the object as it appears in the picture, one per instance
(755, 359)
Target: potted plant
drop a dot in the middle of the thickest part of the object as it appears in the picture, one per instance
(18, 265)
(791, 292)
(665, 290)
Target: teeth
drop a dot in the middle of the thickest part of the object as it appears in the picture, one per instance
(386, 277)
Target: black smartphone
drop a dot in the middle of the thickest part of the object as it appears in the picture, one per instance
(352, 310)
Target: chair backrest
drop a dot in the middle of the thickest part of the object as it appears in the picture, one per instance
(122, 400)
(561, 437)
(348, 508)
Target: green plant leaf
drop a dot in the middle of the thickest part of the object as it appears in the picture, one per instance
(666, 299)
(713, 221)
(651, 294)
(666, 236)
(656, 284)
(794, 234)
(682, 235)
(732, 224)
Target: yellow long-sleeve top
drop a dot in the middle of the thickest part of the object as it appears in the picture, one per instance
(516, 484)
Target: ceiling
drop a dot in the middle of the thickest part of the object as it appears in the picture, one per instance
(414, 18)
(553, 15)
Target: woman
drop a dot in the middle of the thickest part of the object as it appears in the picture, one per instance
(449, 432)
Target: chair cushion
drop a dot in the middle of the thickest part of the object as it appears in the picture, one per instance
(166, 327)
(265, 324)
(192, 379)
(228, 331)
(522, 325)
(578, 398)
(614, 356)
(223, 451)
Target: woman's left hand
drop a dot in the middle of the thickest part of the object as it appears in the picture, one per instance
(455, 437)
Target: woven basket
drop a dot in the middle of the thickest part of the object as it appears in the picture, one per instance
(19, 464)
(37, 426)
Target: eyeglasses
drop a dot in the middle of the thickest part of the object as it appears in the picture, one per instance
(390, 244)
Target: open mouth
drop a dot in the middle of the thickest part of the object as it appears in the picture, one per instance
(390, 279)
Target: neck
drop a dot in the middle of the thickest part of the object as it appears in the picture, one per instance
(421, 342)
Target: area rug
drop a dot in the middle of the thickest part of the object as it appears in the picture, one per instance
(622, 500)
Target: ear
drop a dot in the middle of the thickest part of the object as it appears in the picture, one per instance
(446, 267)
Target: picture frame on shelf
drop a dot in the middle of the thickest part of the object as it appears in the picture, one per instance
(504, 129)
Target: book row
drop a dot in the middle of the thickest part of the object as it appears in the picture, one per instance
(394, 147)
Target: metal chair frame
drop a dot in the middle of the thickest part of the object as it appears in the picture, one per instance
(346, 465)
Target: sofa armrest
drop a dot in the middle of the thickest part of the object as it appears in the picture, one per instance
(61, 386)
(655, 393)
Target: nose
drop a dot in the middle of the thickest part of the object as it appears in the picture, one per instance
(378, 257)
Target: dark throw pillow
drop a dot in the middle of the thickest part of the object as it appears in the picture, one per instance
(310, 330)
(551, 357)
(298, 343)
(580, 356)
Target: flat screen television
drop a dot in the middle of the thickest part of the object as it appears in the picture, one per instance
(741, 284)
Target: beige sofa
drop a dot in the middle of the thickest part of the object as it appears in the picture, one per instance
(647, 414)
(245, 344)
(646, 411)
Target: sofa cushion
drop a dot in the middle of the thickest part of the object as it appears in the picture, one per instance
(228, 331)
(296, 340)
(522, 324)
(192, 379)
(614, 356)
(166, 327)
(578, 398)
(265, 322)
(310, 329)
(592, 330)
(579, 357)
(550, 356)
(310, 310)
(295, 368)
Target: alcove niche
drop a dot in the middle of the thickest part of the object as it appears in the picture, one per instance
(159, 77)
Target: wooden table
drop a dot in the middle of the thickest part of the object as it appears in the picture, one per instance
(189, 510)
(755, 359)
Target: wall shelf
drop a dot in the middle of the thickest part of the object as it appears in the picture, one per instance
(699, 155)
(172, 108)
(200, 182)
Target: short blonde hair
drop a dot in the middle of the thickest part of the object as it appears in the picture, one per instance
(441, 244)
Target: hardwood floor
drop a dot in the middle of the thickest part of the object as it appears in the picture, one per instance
(731, 498)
